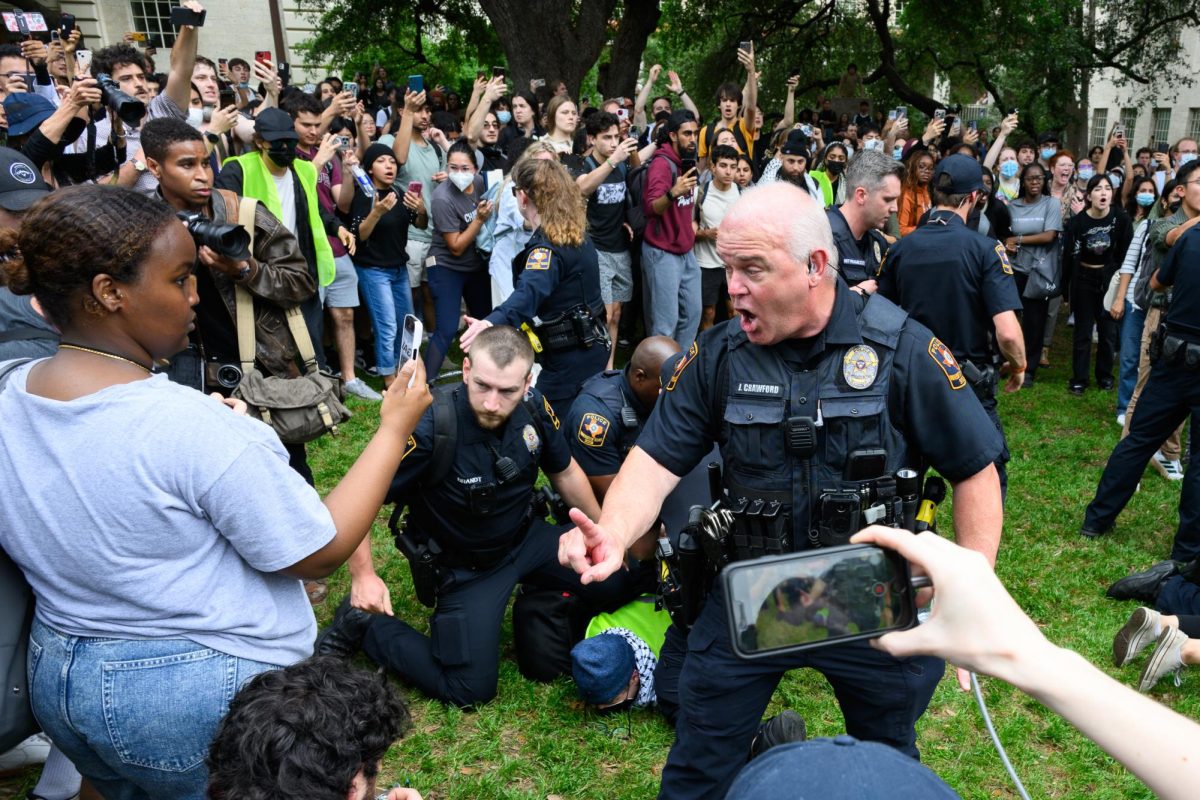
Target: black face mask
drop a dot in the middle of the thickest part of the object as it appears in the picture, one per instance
(1175, 206)
(282, 152)
(835, 167)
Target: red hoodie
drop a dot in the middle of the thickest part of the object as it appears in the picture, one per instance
(672, 230)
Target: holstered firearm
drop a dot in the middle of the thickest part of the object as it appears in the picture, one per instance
(422, 559)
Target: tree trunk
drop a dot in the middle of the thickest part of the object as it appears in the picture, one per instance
(878, 14)
(548, 39)
(637, 23)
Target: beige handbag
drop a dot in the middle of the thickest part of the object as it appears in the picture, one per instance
(299, 409)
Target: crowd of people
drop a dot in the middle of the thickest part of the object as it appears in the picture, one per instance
(613, 295)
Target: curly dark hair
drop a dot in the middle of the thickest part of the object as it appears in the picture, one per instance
(106, 59)
(159, 134)
(72, 235)
(304, 731)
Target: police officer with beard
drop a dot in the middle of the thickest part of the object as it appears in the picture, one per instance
(472, 531)
(803, 391)
(557, 284)
(959, 283)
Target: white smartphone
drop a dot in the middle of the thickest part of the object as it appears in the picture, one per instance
(410, 343)
(83, 60)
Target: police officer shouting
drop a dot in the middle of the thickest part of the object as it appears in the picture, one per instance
(801, 390)
(872, 193)
(477, 523)
(557, 280)
(960, 285)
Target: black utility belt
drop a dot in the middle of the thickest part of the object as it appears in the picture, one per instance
(481, 559)
(1170, 350)
(981, 378)
(577, 327)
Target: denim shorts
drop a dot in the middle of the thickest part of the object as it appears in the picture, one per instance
(135, 716)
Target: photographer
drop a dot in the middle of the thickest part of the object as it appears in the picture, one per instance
(128, 69)
(275, 273)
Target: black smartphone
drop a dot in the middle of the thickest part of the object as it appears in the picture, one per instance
(747, 46)
(66, 24)
(832, 595)
(1161, 147)
(22, 23)
(416, 83)
(499, 72)
(285, 72)
(226, 97)
(185, 16)
(686, 165)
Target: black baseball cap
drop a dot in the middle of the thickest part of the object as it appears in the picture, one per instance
(796, 145)
(1048, 136)
(957, 174)
(20, 183)
(274, 125)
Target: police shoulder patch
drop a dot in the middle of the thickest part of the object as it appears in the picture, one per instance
(550, 413)
(409, 446)
(539, 258)
(941, 354)
(681, 365)
(1004, 263)
(592, 429)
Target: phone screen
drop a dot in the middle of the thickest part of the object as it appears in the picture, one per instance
(415, 187)
(817, 597)
(410, 342)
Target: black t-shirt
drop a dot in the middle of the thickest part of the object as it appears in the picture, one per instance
(952, 280)
(606, 210)
(1180, 270)
(386, 246)
(215, 326)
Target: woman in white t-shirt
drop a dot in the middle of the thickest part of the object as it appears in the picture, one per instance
(163, 534)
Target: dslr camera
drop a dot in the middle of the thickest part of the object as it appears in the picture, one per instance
(128, 108)
(229, 240)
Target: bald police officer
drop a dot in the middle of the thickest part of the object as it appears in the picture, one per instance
(872, 192)
(959, 284)
(803, 380)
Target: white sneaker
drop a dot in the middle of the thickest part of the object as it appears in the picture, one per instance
(358, 388)
(1166, 659)
(1121, 420)
(1171, 470)
(1135, 636)
(28, 753)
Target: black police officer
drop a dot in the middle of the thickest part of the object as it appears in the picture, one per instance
(557, 279)
(479, 519)
(959, 284)
(807, 383)
(872, 192)
(1171, 394)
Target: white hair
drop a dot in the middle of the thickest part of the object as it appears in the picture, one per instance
(794, 214)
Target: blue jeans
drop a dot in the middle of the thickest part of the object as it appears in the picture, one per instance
(671, 289)
(450, 288)
(1131, 345)
(135, 716)
(388, 299)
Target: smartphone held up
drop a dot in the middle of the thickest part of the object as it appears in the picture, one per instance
(410, 343)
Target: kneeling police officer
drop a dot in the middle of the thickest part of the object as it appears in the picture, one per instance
(805, 392)
(472, 531)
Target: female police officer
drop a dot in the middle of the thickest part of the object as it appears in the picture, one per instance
(557, 280)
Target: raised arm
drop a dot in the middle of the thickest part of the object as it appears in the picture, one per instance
(639, 103)
(183, 60)
(1006, 127)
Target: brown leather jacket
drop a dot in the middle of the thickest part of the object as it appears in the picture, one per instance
(279, 279)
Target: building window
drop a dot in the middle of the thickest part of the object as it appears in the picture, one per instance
(1129, 118)
(153, 18)
(1193, 128)
(1160, 125)
(1099, 126)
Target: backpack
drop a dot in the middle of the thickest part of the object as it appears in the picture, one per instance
(547, 623)
(1145, 297)
(635, 183)
(704, 187)
(16, 600)
(709, 131)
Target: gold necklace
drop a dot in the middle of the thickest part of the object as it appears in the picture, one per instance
(95, 352)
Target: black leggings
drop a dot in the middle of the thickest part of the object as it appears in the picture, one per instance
(1033, 324)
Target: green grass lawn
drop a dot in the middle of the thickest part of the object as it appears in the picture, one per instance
(534, 741)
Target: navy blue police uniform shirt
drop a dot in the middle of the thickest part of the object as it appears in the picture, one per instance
(548, 280)
(1180, 270)
(599, 441)
(953, 280)
(928, 399)
(858, 259)
(447, 507)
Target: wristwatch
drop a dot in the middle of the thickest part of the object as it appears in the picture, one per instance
(243, 273)
(212, 137)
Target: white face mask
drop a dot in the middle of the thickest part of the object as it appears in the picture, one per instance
(462, 180)
(195, 117)
(873, 144)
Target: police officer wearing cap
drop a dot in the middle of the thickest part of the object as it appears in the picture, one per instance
(960, 285)
(473, 528)
(872, 193)
(814, 396)
(557, 280)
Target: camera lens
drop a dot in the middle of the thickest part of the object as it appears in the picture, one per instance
(229, 376)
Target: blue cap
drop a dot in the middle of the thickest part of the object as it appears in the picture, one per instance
(25, 111)
(957, 174)
(842, 768)
(602, 666)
